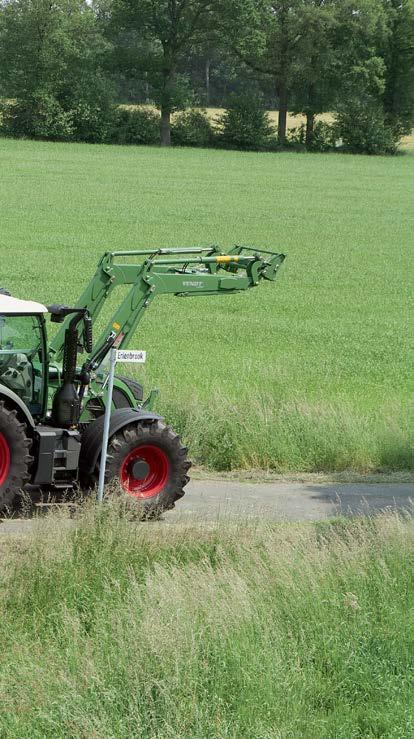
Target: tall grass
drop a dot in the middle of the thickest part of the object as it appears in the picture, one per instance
(113, 629)
(286, 436)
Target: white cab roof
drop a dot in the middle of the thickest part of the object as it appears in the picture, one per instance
(14, 305)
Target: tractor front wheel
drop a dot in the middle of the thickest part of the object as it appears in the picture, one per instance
(150, 464)
(15, 457)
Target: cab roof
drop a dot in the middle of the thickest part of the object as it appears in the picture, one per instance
(10, 305)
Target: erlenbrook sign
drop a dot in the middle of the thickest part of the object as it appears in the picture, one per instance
(131, 355)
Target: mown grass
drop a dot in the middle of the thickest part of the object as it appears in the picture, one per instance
(311, 373)
(113, 629)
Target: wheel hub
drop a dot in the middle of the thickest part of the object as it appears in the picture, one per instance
(144, 471)
(140, 469)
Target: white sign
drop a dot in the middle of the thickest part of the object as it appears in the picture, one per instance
(131, 355)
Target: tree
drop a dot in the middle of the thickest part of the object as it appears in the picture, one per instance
(314, 85)
(362, 33)
(157, 36)
(327, 54)
(265, 35)
(398, 55)
(339, 60)
(376, 74)
(51, 57)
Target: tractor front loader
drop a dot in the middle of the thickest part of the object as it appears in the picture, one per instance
(52, 404)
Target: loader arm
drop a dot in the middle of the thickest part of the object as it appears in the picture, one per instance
(181, 272)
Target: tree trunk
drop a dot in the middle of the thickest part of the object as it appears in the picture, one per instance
(207, 79)
(283, 110)
(310, 128)
(165, 126)
(167, 102)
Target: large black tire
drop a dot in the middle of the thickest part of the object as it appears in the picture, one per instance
(162, 464)
(15, 459)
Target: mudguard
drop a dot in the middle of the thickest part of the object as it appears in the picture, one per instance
(92, 436)
(5, 392)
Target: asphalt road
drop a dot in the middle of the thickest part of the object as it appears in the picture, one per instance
(208, 500)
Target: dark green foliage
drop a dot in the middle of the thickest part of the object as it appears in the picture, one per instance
(136, 126)
(323, 138)
(60, 63)
(245, 124)
(51, 62)
(93, 115)
(314, 87)
(192, 128)
(363, 130)
(156, 38)
(361, 121)
(327, 56)
(399, 66)
(42, 116)
(38, 116)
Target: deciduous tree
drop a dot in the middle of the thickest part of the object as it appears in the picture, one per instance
(51, 57)
(265, 35)
(314, 87)
(398, 57)
(158, 35)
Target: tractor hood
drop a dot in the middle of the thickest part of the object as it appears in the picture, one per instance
(10, 305)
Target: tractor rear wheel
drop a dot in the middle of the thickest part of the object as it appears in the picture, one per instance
(150, 464)
(15, 457)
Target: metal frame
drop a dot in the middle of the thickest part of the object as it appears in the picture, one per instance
(182, 272)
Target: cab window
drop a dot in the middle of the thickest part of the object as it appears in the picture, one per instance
(21, 358)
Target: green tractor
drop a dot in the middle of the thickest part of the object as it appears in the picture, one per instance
(52, 404)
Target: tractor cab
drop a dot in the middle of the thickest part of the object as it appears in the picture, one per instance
(23, 352)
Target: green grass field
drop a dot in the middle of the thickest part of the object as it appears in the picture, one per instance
(313, 372)
(114, 630)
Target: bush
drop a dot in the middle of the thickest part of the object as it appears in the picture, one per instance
(245, 125)
(42, 116)
(192, 128)
(324, 137)
(295, 137)
(93, 110)
(136, 126)
(92, 123)
(364, 131)
(39, 116)
(323, 140)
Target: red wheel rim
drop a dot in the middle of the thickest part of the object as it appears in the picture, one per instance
(154, 480)
(4, 459)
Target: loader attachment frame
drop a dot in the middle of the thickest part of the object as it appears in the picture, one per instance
(182, 272)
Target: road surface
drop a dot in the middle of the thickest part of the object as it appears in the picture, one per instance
(291, 501)
(208, 500)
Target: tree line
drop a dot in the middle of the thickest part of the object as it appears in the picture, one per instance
(65, 65)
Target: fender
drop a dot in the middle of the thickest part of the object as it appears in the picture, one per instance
(10, 395)
(92, 436)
